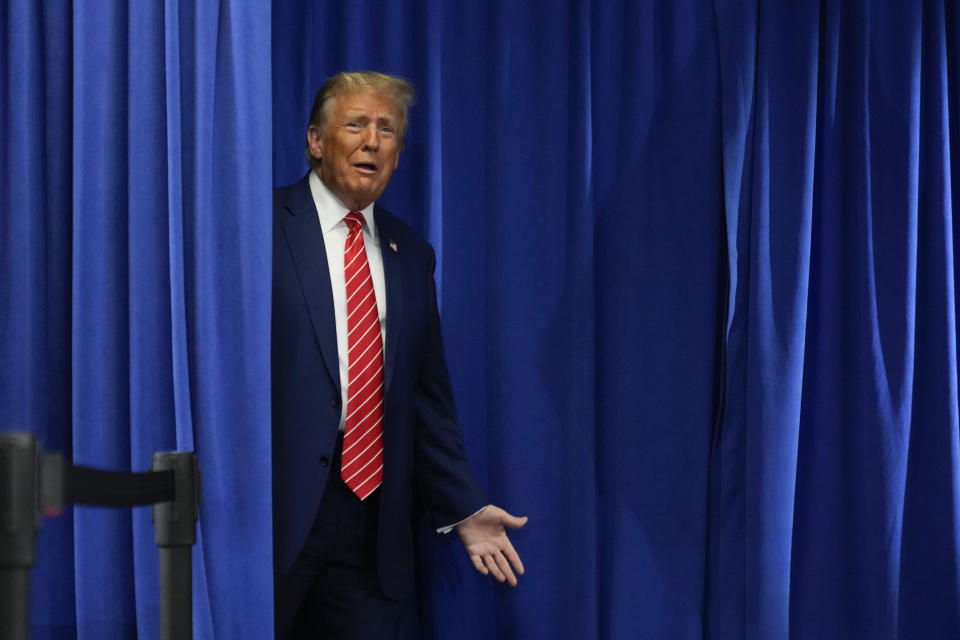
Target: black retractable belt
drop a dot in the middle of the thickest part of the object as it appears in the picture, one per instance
(33, 484)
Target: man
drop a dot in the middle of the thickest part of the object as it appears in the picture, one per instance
(363, 413)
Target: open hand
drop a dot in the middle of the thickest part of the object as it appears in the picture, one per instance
(485, 539)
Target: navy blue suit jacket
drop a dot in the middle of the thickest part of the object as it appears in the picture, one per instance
(423, 450)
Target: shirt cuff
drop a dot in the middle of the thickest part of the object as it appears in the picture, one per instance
(451, 527)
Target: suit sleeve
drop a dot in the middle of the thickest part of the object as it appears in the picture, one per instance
(447, 486)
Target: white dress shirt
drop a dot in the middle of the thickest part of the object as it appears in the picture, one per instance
(335, 230)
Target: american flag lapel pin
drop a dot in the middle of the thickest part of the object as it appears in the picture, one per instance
(393, 245)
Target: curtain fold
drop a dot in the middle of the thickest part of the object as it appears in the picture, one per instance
(769, 128)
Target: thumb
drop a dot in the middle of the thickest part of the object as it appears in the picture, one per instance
(514, 522)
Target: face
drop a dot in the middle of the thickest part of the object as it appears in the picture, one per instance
(359, 146)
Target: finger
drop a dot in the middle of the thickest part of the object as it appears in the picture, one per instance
(494, 569)
(513, 557)
(478, 565)
(504, 567)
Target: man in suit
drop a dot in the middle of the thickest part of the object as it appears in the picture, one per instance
(363, 414)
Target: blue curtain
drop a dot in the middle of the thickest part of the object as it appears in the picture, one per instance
(696, 268)
(135, 280)
(565, 158)
(697, 291)
(838, 465)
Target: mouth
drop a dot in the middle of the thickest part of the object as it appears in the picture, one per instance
(366, 168)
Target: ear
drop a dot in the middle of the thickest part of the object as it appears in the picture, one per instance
(315, 141)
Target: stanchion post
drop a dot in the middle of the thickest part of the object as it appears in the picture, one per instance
(175, 530)
(19, 523)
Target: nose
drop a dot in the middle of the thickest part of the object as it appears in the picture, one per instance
(371, 137)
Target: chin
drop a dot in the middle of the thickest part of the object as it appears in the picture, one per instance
(367, 193)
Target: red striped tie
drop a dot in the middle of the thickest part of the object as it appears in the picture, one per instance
(362, 460)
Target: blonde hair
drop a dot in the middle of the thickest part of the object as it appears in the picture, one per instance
(395, 88)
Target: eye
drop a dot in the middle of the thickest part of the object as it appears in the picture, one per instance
(387, 129)
(353, 125)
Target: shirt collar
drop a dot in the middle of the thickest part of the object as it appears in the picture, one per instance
(331, 210)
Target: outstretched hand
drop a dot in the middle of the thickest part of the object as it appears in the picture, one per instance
(488, 546)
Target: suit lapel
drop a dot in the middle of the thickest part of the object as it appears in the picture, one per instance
(393, 276)
(305, 239)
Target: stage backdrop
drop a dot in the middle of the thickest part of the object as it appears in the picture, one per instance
(697, 270)
(565, 160)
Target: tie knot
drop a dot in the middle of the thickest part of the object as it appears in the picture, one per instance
(354, 220)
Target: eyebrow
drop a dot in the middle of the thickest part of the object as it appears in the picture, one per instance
(360, 115)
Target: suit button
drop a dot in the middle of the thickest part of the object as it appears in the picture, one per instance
(335, 402)
(324, 461)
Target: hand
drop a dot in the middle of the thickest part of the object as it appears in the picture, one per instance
(487, 544)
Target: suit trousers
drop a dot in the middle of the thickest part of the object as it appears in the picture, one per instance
(332, 590)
